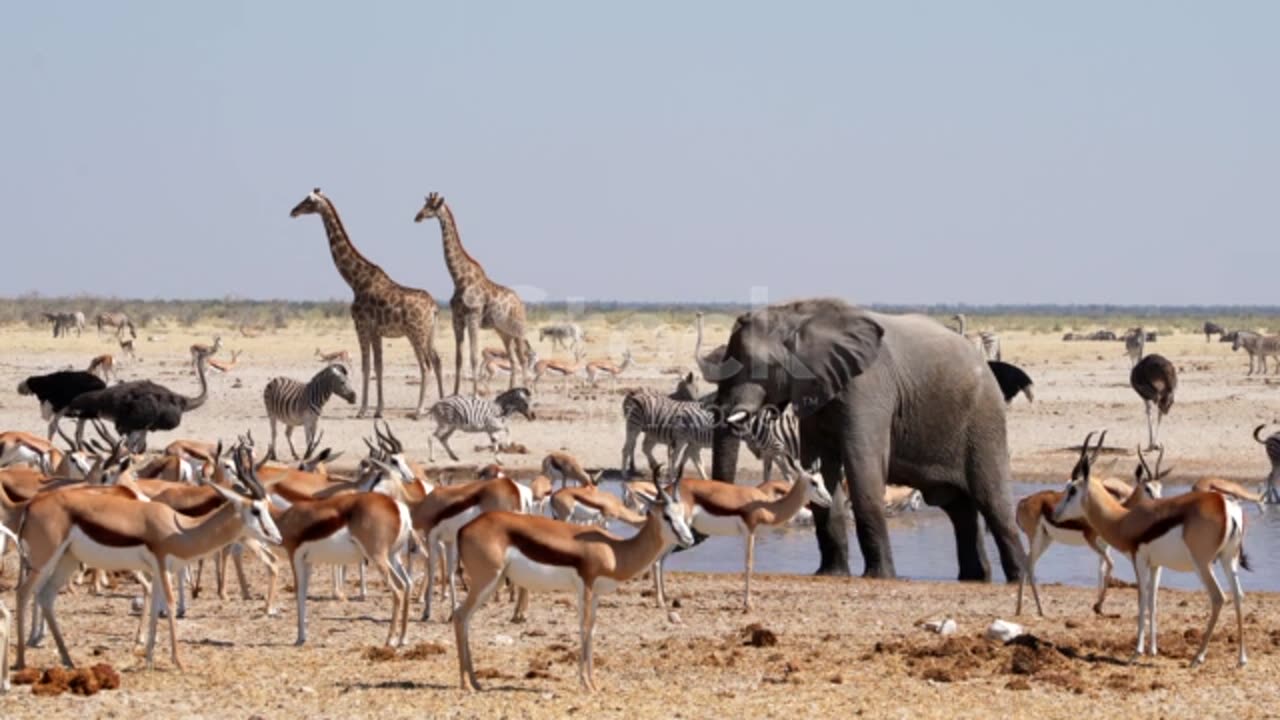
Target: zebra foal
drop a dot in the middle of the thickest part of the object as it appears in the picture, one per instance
(294, 403)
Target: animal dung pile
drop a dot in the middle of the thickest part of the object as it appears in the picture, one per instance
(421, 651)
(77, 681)
(757, 635)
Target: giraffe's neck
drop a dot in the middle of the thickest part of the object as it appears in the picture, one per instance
(355, 268)
(464, 268)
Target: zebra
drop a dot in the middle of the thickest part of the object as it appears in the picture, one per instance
(561, 334)
(475, 415)
(118, 322)
(641, 409)
(1135, 345)
(65, 322)
(1258, 346)
(1272, 444)
(772, 436)
(293, 403)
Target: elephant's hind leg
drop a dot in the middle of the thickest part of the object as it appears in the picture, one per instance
(969, 548)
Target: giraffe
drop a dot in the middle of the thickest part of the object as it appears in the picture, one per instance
(477, 302)
(381, 308)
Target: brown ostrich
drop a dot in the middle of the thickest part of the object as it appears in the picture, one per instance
(1154, 379)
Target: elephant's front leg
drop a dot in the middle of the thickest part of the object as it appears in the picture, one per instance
(866, 495)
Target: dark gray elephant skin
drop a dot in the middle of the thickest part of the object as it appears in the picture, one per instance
(881, 398)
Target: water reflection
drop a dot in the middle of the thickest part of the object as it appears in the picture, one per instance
(924, 548)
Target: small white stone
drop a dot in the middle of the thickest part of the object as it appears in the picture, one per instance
(1004, 631)
(946, 626)
(673, 617)
(503, 640)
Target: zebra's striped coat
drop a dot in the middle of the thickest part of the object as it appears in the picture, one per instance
(294, 403)
(773, 437)
(476, 415)
(684, 426)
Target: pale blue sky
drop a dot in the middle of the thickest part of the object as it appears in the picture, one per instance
(982, 152)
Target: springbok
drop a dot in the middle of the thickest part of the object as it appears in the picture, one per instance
(1035, 518)
(443, 512)
(109, 532)
(718, 508)
(1188, 532)
(544, 555)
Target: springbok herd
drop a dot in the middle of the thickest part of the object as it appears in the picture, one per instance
(105, 505)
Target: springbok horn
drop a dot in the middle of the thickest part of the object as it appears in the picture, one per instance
(70, 443)
(399, 446)
(103, 432)
(1084, 448)
(1098, 448)
(1142, 463)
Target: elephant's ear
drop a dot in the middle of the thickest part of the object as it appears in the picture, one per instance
(826, 352)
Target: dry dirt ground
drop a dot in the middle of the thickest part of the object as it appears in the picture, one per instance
(842, 646)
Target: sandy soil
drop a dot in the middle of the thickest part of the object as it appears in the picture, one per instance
(846, 647)
(867, 658)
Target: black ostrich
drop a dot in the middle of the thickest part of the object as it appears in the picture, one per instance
(57, 389)
(1211, 329)
(1012, 380)
(1154, 379)
(136, 408)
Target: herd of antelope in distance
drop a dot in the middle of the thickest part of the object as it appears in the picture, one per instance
(106, 504)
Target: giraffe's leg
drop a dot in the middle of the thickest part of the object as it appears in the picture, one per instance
(377, 367)
(459, 331)
(524, 359)
(473, 337)
(424, 361)
(366, 344)
(434, 358)
(506, 345)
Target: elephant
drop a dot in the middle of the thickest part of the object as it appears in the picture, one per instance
(880, 399)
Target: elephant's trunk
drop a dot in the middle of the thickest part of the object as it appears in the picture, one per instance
(724, 454)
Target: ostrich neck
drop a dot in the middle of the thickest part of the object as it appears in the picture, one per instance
(195, 402)
(964, 325)
(354, 268)
(462, 267)
(697, 345)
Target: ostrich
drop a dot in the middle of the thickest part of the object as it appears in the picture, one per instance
(56, 390)
(710, 364)
(1135, 345)
(1211, 329)
(1155, 380)
(1012, 380)
(136, 407)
